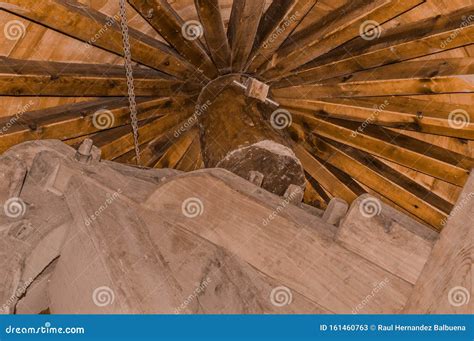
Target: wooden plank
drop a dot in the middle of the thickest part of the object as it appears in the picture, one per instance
(243, 25)
(404, 150)
(386, 181)
(449, 271)
(39, 78)
(73, 120)
(176, 151)
(314, 194)
(331, 31)
(192, 159)
(184, 37)
(454, 75)
(323, 175)
(88, 25)
(423, 116)
(278, 22)
(405, 42)
(214, 31)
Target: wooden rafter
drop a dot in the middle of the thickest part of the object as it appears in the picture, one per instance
(332, 31)
(384, 180)
(454, 75)
(314, 194)
(214, 33)
(93, 27)
(243, 25)
(278, 22)
(164, 19)
(404, 150)
(38, 78)
(192, 159)
(176, 151)
(396, 112)
(410, 41)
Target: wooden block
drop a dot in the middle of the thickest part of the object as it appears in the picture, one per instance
(336, 210)
(256, 89)
(386, 237)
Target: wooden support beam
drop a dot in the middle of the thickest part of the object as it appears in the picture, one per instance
(314, 194)
(278, 22)
(332, 31)
(243, 25)
(39, 78)
(404, 150)
(192, 159)
(235, 136)
(405, 42)
(396, 112)
(214, 31)
(184, 37)
(454, 75)
(176, 151)
(78, 119)
(324, 176)
(88, 25)
(386, 181)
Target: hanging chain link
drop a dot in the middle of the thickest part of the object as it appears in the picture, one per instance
(129, 73)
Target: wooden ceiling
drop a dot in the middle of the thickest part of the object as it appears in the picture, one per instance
(350, 132)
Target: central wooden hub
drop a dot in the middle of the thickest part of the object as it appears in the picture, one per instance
(235, 135)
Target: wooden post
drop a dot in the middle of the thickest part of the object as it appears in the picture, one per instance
(235, 136)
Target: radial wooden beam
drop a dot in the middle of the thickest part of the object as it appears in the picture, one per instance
(278, 22)
(405, 42)
(404, 150)
(38, 78)
(184, 37)
(333, 30)
(396, 112)
(93, 27)
(324, 176)
(214, 31)
(176, 151)
(314, 194)
(78, 119)
(192, 159)
(454, 75)
(118, 141)
(384, 180)
(243, 25)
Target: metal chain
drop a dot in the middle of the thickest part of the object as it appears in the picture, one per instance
(129, 73)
